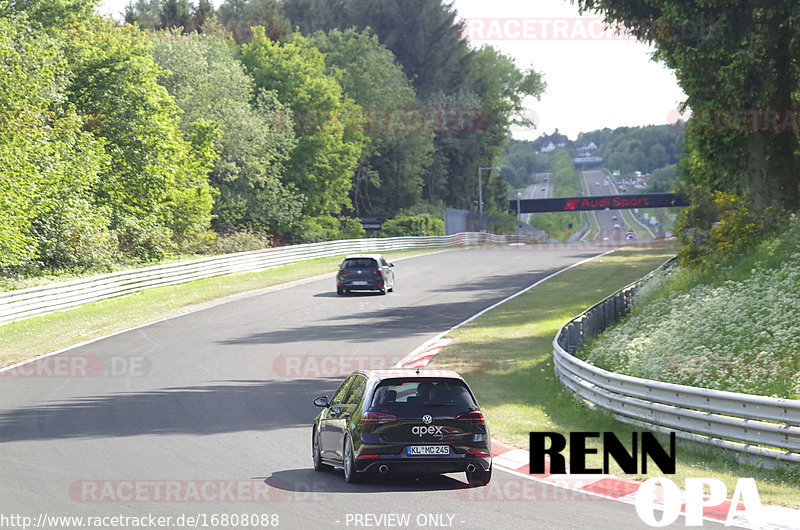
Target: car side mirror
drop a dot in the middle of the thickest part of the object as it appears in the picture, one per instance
(391, 264)
(321, 401)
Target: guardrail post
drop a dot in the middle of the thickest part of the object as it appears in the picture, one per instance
(573, 336)
(762, 426)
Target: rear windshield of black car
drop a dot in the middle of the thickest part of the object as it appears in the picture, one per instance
(408, 396)
(360, 263)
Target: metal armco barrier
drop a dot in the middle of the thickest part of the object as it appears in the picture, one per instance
(756, 425)
(34, 301)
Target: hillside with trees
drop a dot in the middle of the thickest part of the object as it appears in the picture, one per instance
(179, 129)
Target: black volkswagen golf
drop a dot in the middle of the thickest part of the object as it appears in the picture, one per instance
(402, 421)
(365, 272)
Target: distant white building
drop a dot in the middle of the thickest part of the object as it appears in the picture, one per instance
(587, 149)
(549, 147)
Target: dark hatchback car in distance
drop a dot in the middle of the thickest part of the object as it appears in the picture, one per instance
(365, 272)
(402, 421)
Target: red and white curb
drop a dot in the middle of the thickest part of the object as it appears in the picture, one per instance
(517, 462)
(420, 357)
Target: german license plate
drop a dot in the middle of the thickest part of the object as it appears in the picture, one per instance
(428, 450)
(359, 282)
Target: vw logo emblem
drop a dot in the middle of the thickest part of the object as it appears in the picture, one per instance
(426, 419)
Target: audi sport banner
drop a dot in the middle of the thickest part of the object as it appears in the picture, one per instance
(599, 202)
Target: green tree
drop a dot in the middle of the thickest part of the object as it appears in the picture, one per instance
(424, 35)
(471, 110)
(239, 16)
(175, 14)
(322, 164)
(53, 15)
(70, 230)
(49, 166)
(310, 16)
(645, 149)
(389, 174)
(162, 14)
(518, 162)
(208, 82)
(114, 86)
(663, 179)
(502, 88)
(729, 57)
(145, 13)
(27, 75)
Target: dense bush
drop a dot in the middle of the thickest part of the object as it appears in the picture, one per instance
(326, 228)
(413, 225)
(143, 239)
(717, 225)
(229, 242)
(735, 327)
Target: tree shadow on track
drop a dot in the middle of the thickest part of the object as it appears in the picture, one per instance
(228, 406)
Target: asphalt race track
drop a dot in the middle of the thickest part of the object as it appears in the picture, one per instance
(210, 413)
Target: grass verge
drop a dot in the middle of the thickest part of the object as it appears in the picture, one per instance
(43, 334)
(506, 356)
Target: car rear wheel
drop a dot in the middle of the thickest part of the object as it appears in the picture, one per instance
(349, 464)
(339, 291)
(479, 477)
(316, 454)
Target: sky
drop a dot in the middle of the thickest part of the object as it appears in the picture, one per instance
(594, 78)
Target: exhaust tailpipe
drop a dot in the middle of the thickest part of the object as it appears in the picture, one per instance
(470, 468)
(383, 468)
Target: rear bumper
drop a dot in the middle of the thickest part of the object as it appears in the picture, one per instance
(369, 286)
(399, 465)
(370, 457)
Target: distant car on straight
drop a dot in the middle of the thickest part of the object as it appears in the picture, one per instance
(365, 272)
(402, 421)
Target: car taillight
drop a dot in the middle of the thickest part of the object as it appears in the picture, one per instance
(376, 418)
(377, 271)
(475, 416)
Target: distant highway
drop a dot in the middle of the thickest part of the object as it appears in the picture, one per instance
(541, 188)
(611, 223)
